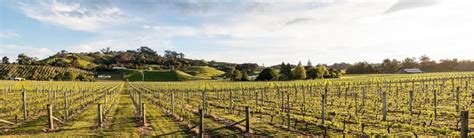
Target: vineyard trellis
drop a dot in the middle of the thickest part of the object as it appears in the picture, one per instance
(425, 104)
(421, 105)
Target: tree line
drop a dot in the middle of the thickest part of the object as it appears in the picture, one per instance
(424, 63)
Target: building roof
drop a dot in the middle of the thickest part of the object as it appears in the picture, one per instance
(413, 70)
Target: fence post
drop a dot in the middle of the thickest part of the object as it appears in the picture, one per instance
(247, 119)
(143, 114)
(464, 124)
(50, 116)
(201, 123)
(23, 99)
(411, 102)
(99, 115)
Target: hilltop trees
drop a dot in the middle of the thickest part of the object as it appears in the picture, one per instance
(23, 59)
(5, 60)
(390, 66)
(425, 63)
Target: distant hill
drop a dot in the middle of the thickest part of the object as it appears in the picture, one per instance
(35, 72)
(143, 58)
(171, 66)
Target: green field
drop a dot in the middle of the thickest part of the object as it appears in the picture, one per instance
(359, 105)
(155, 75)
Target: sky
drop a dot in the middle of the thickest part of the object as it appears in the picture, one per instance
(243, 31)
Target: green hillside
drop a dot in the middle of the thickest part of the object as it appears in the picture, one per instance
(75, 60)
(203, 71)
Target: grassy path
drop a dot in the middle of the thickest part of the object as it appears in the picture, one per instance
(162, 125)
(123, 120)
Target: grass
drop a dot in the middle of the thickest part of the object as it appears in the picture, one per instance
(82, 125)
(123, 121)
(161, 124)
(162, 75)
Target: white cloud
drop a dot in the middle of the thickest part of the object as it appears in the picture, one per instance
(76, 16)
(123, 41)
(12, 51)
(8, 35)
(348, 31)
(275, 31)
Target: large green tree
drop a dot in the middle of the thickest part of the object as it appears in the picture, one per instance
(322, 70)
(285, 71)
(299, 72)
(236, 75)
(267, 74)
(312, 73)
(410, 63)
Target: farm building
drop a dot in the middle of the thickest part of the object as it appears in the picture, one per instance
(410, 71)
(104, 77)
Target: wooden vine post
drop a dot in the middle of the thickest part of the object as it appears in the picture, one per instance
(384, 94)
(435, 104)
(23, 100)
(323, 108)
(458, 91)
(464, 124)
(201, 123)
(139, 100)
(99, 115)
(247, 119)
(288, 109)
(66, 112)
(172, 102)
(50, 116)
(143, 114)
(231, 103)
(411, 102)
(105, 100)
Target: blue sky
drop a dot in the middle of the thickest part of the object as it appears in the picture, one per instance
(257, 31)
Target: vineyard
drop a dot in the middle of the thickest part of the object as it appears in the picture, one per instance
(432, 104)
(39, 72)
